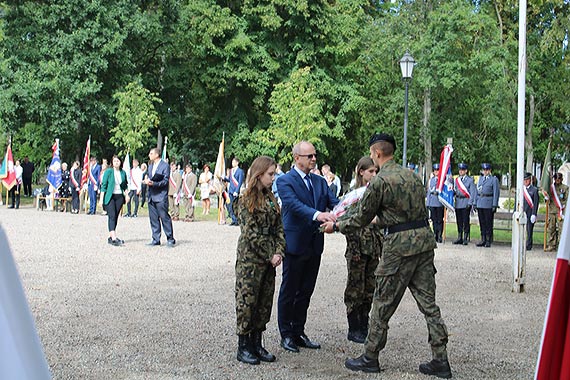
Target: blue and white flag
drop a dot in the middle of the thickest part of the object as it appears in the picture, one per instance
(54, 172)
(445, 178)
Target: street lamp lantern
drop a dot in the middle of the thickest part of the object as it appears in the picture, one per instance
(407, 66)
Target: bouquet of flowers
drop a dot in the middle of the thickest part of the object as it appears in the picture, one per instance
(348, 203)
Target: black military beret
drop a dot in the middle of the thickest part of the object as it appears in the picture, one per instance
(527, 175)
(382, 137)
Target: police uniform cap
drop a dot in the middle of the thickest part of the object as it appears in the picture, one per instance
(527, 175)
(462, 166)
(435, 166)
(486, 166)
(382, 137)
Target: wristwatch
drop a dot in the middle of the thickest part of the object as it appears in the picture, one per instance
(335, 227)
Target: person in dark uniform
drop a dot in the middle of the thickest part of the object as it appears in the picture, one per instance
(27, 173)
(465, 194)
(487, 203)
(434, 205)
(75, 186)
(530, 207)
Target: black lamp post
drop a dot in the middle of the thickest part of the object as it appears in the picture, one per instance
(407, 66)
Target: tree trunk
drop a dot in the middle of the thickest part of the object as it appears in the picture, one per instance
(528, 139)
(426, 134)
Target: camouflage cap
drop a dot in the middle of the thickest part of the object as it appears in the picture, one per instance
(382, 137)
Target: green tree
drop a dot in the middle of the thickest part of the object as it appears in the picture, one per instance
(136, 115)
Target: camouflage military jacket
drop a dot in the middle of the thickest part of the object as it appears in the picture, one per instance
(562, 192)
(262, 233)
(367, 242)
(396, 196)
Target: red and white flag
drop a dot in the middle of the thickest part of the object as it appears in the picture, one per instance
(554, 355)
(85, 174)
(10, 179)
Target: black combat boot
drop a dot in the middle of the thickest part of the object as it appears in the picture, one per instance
(258, 349)
(459, 239)
(483, 241)
(439, 368)
(245, 351)
(488, 242)
(354, 327)
(362, 363)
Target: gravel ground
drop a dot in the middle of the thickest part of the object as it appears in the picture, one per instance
(137, 312)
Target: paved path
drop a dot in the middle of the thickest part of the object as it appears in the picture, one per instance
(138, 312)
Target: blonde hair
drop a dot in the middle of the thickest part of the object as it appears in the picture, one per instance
(364, 163)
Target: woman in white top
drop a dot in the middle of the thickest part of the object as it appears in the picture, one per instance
(205, 181)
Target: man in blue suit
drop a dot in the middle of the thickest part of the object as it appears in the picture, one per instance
(236, 180)
(93, 184)
(157, 182)
(305, 198)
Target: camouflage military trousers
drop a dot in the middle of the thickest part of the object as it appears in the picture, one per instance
(360, 282)
(394, 275)
(554, 230)
(255, 286)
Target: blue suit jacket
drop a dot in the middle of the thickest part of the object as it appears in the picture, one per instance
(158, 192)
(302, 236)
(233, 188)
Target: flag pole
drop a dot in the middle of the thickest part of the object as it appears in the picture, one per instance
(519, 217)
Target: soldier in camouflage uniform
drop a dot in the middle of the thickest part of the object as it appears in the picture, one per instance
(555, 213)
(396, 197)
(260, 249)
(362, 250)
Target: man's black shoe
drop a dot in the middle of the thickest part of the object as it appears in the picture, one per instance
(362, 363)
(289, 344)
(439, 368)
(171, 243)
(356, 336)
(152, 243)
(304, 341)
(458, 241)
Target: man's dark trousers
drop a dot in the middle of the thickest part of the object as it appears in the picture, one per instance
(300, 276)
(158, 210)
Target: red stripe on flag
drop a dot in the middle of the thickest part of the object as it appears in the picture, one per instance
(554, 360)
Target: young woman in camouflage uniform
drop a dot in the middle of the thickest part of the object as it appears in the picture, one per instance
(362, 250)
(260, 250)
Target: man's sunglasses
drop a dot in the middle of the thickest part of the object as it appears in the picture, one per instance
(309, 156)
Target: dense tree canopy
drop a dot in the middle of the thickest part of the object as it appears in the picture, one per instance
(270, 72)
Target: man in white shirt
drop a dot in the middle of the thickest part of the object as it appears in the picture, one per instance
(135, 187)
